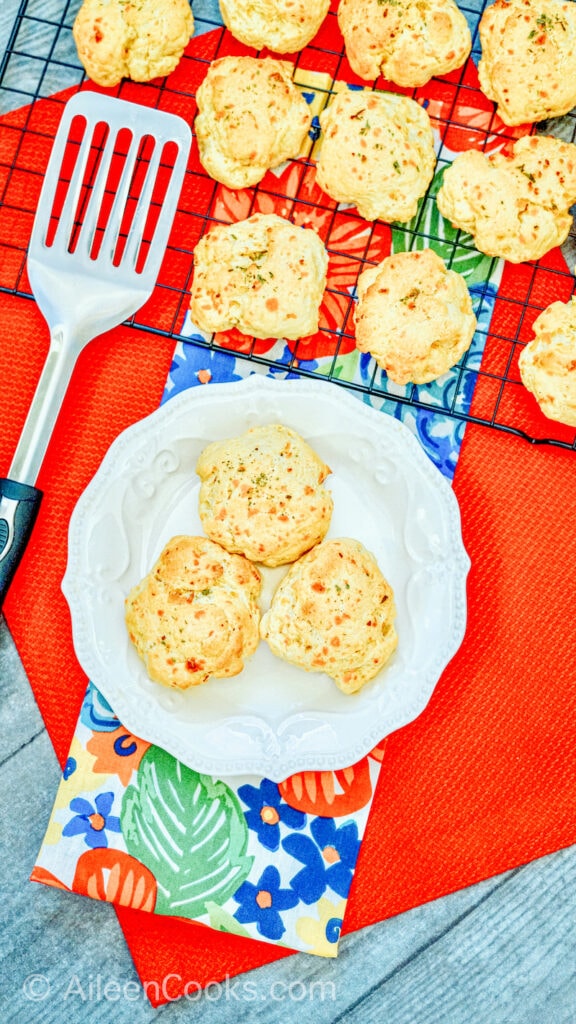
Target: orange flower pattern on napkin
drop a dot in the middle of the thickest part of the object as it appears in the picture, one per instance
(245, 856)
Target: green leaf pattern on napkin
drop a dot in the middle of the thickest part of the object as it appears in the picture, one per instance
(189, 830)
(222, 921)
(430, 230)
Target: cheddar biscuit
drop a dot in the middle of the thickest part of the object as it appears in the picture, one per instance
(264, 275)
(405, 41)
(377, 152)
(414, 316)
(116, 39)
(195, 615)
(548, 363)
(283, 26)
(334, 612)
(262, 494)
(517, 206)
(528, 64)
(251, 117)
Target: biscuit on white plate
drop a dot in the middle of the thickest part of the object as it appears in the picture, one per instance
(414, 316)
(334, 612)
(517, 206)
(377, 152)
(143, 40)
(406, 41)
(528, 64)
(262, 494)
(195, 615)
(548, 362)
(283, 26)
(251, 117)
(263, 275)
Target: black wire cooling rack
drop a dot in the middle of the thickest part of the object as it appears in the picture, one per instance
(40, 69)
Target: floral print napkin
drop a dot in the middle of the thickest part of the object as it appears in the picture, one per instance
(132, 825)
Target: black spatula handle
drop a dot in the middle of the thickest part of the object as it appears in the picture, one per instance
(19, 504)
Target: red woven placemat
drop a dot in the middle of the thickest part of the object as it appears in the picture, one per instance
(484, 780)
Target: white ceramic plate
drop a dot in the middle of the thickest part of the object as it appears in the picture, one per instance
(273, 719)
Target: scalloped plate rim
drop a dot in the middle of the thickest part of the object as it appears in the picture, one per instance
(275, 767)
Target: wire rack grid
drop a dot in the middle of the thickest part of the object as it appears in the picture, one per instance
(40, 70)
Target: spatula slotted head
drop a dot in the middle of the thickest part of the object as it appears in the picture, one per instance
(104, 215)
(111, 190)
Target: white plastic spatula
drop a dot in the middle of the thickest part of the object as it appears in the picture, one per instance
(104, 215)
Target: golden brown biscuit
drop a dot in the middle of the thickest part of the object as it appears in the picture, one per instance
(414, 316)
(251, 117)
(283, 26)
(405, 41)
(334, 612)
(117, 39)
(548, 363)
(377, 152)
(516, 207)
(262, 494)
(263, 275)
(195, 615)
(528, 64)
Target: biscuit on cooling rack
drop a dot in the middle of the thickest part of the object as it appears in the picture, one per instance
(377, 152)
(548, 362)
(262, 494)
(528, 64)
(251, 117)
(141, 40)
(414, 316)
(334, 612)
(195, 615)
(405, 41)
(264, 275)
(517, 206)
(283, 26)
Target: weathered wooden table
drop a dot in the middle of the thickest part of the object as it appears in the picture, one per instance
(501, 952)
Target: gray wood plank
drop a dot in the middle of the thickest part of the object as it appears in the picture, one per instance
(45, 932)
(510, 960)
(20, 720)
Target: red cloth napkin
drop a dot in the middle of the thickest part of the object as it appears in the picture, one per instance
(484, 780)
